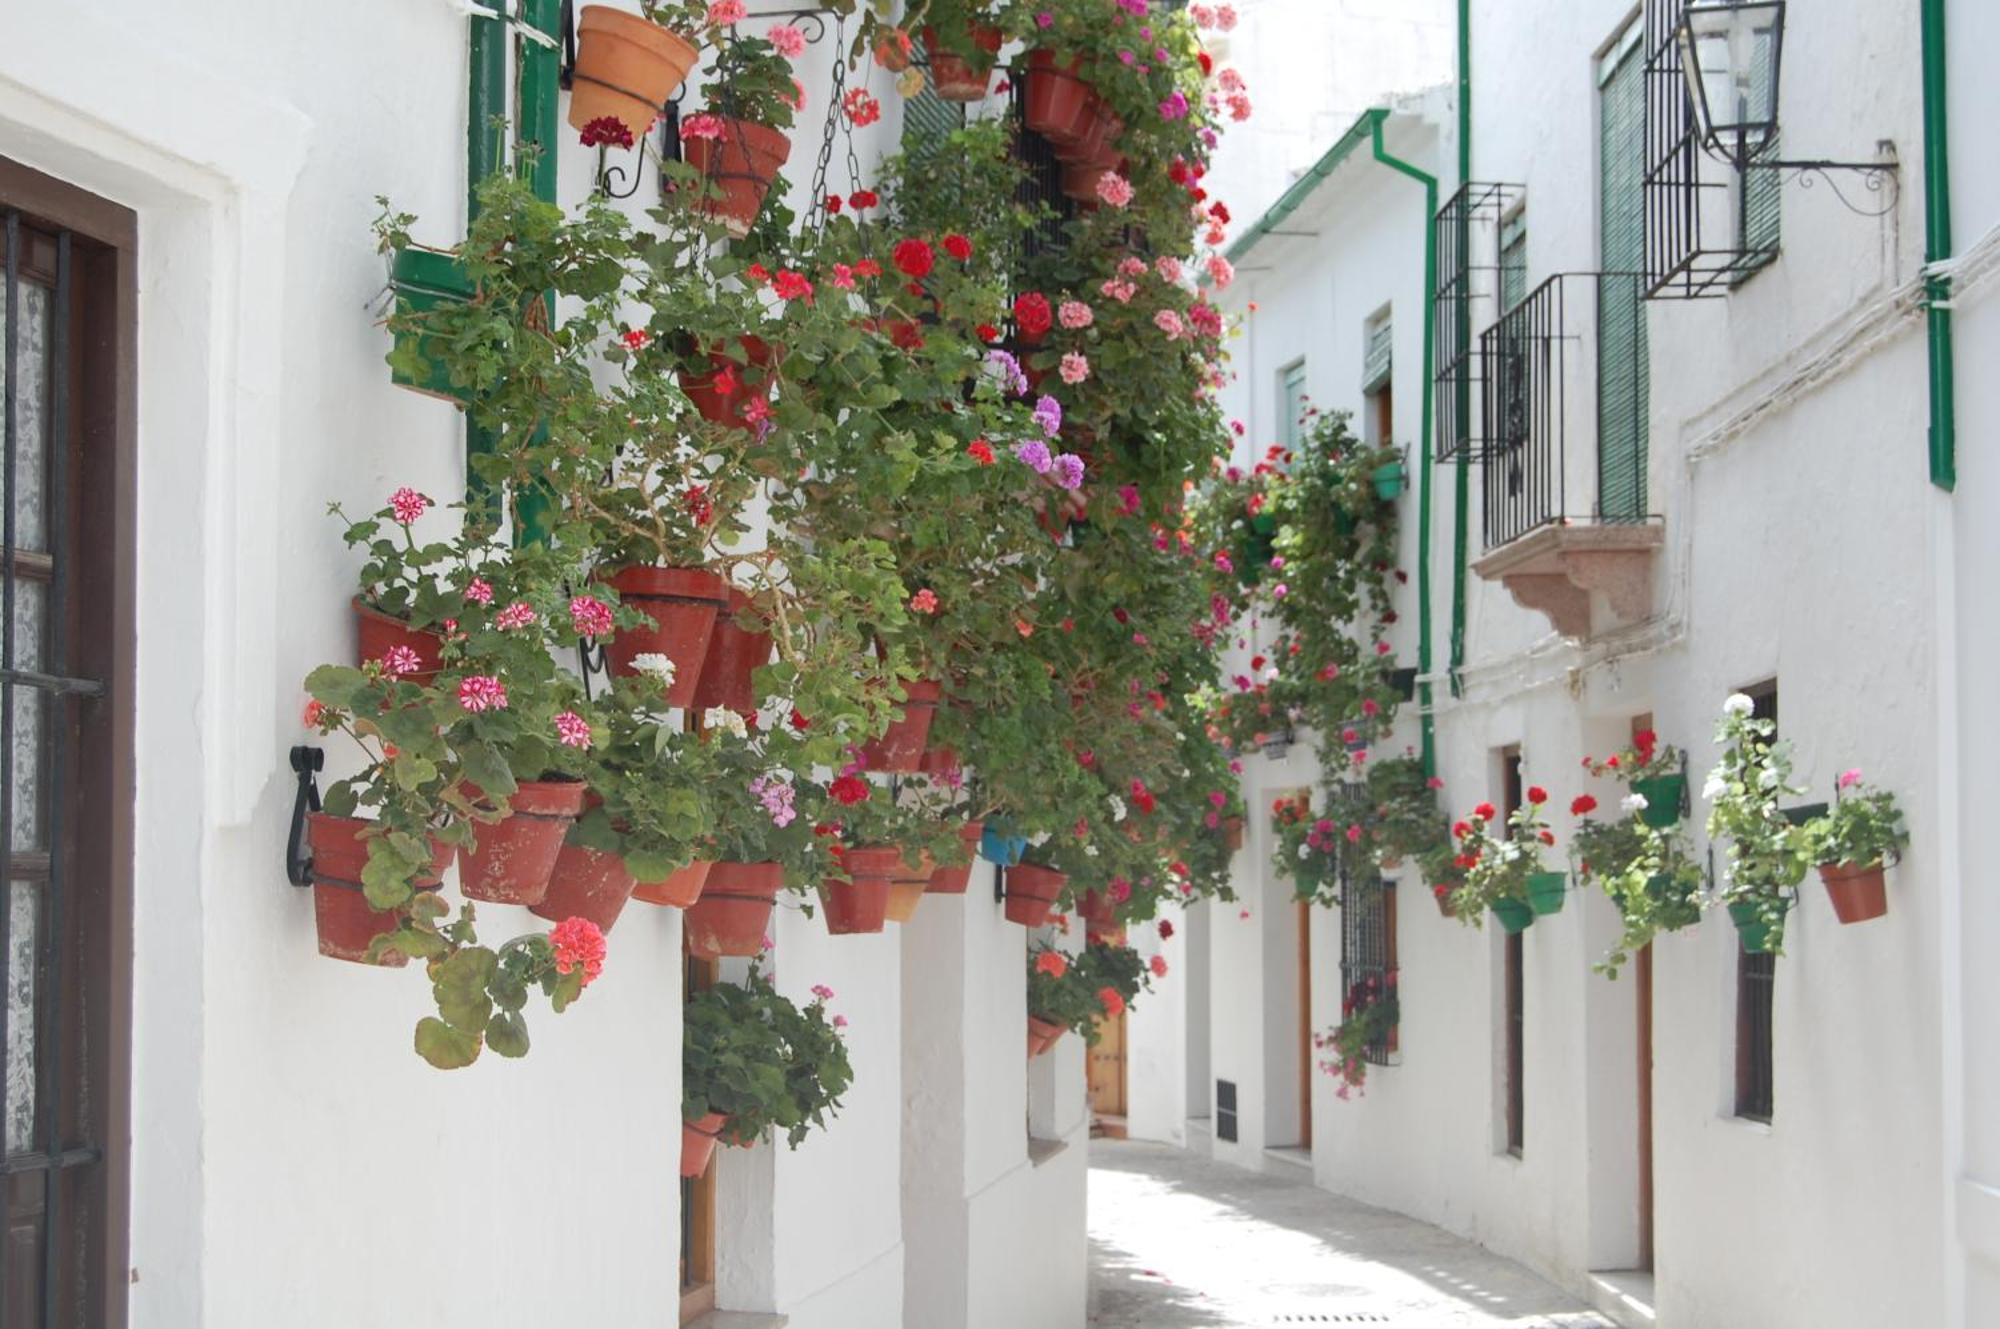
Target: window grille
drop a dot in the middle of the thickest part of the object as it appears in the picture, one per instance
(1513, 259)
(1513, 959)
(1756, 985)
(1379, 341)
(1368, 971)
(1705, 228)
(1040, 194)
(1225, 1110)
(1466, 231)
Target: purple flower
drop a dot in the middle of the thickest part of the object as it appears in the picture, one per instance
(1008, 370)
(1136, 8)
(1048, 414)
(1069, 470)
(1045, 19)
(1174, 106)
(1034, 454)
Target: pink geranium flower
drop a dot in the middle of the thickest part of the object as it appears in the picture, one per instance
(406, 504)
(578, 943)
(590, 616)
(400, 660)
(572, 730)
(1114, 188)
(482, 692)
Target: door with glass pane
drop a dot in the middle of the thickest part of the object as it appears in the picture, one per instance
(64, 486)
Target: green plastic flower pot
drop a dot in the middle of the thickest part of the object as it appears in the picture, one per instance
(1751, 928)
(1389, 480)
(424, 279)
(1264, 523)
(1546, 891)
(1664, 795)
(1343, 522)
(1514, 915)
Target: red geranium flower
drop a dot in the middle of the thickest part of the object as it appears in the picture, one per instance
(863, 198)
(1537, 794)
(987, 332)
(1485, 812)
(980, 451)
(849, 790)
(1032, 314)
(1108, 998)
(914, 257)
(958, 247)
(1581, 805)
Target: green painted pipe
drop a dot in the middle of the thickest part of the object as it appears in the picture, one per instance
(1430, 184)
(1462, 472)
(1937, 249)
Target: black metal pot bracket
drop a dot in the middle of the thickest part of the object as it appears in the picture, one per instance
(306, 763)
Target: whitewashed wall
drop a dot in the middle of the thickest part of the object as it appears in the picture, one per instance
(293, 1161)
(1803, 542)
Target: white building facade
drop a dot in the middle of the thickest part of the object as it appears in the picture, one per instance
(1727, 1140)
(268, 1150)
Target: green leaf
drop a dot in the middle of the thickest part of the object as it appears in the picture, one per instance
(486, 768)
(507, 1034)
(444, 1047)
(460, 987)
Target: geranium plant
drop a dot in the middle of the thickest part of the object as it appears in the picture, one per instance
(1864, 828)
(1504, 871)
(1369, 1011)
(1098, 983)
(760, 1061)
(1649, 872)
(1765, 855)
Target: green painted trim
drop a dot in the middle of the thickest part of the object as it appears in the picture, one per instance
(1943, 442)
(1302, 188)
(1461, 533)
(486, 97)
(1430, 184)
(541, 81)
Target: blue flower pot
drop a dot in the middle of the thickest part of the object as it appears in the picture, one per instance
(999, 847)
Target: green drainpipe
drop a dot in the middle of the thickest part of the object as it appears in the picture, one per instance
(1430, 184)
(1462, 472)
(1937, 248)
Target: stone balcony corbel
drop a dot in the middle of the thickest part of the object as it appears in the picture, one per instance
(1558, 570)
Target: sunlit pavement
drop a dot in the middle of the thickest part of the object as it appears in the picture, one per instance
(1180, 1242)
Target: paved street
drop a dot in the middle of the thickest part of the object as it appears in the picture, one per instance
(1179, 1242)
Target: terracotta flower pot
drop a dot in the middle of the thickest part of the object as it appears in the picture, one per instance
(1514, 915)
(1096, 909)
(510, 861)
(1032, 890)
(954, 880)
(1042, 1035)
(678, 891)
(901, 747)
(1061, 105)
(734, 911)
(1079, 180)
(939, 761)
(953, 77)
(1232, 833)
(377, 633)
(725, 402)
(1547, 891)
(1444, 904)
(1100, 139)
(1858, 893)
(346, 923)
(683, 604)
(586, 883)
(734, 654)
(744, 162)
(862, 904)
(626, 68)
(904, 897)
(698, 1141)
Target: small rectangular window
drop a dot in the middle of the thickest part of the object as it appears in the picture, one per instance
(1756, 982)
(1513, 258)
(1225, 1110)
(1378, 423)
(1368, 969)
(1292, 402)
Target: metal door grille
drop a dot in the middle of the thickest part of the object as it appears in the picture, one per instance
(49, 1155)
(1367, 949)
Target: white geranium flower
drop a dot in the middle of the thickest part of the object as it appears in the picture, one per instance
(1039, 840)
(1715, 788)
(721, 717)
(1089, 850)
(1738, 704)
(655, 665)
(1117, 807)
(1305, 852)
(1634, 803)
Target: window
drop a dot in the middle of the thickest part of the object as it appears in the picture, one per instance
(698, 1193)
(1378, 381)
(1513, 258)
(1513, 984)
(65, 932)
(1758, 191)
(1368, 969)
(1756, 981)
(1623, 381)
(929, 120)
(1292, 402)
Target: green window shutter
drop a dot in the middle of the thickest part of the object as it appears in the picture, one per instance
(1377, 354)
(1623, 397)
(1758, 218)
(1292, 401)
(929, 120)
(1513, 260)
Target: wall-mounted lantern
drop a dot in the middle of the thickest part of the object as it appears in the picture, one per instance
(1730, 53)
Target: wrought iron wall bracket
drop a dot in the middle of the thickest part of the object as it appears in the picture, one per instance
(306, 763)
(1877, 177)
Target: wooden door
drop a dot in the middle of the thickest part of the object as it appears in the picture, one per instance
(1107, 1068)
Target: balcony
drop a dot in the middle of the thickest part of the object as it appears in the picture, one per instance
(1563, 453)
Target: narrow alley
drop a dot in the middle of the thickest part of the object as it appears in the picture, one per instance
(1181, 1242)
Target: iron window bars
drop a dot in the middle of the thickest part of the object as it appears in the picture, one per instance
(1537, 360)
(1467, 233)
(1367, 949)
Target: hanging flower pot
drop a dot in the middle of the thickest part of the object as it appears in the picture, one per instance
(698, 1141)
(1663, 795)
(1514, 915)
(723, 395)
(735, 653)
(378, 633)
(1858, 893)
(346, 923)
(1389, 480)
(1099, 138)
(954, 880)
(862, 903)
(1061, 105)
(743, 160)
(996, 846)
(734, 911)
(1442, 895)
(901, 747)
(422, 280)
(680, 890)
(1079, 180)
(1097, 910)
(905, 894)
(1547, 891)
(1751, 928)
(1032, 890)
(626, 68)
(953, 77)
(510, 861)
(1042, 1035)
(1232, 834)
(683, 604)
(587, 883)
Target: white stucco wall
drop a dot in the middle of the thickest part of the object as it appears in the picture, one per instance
(1803, 542)
(288, 1143)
